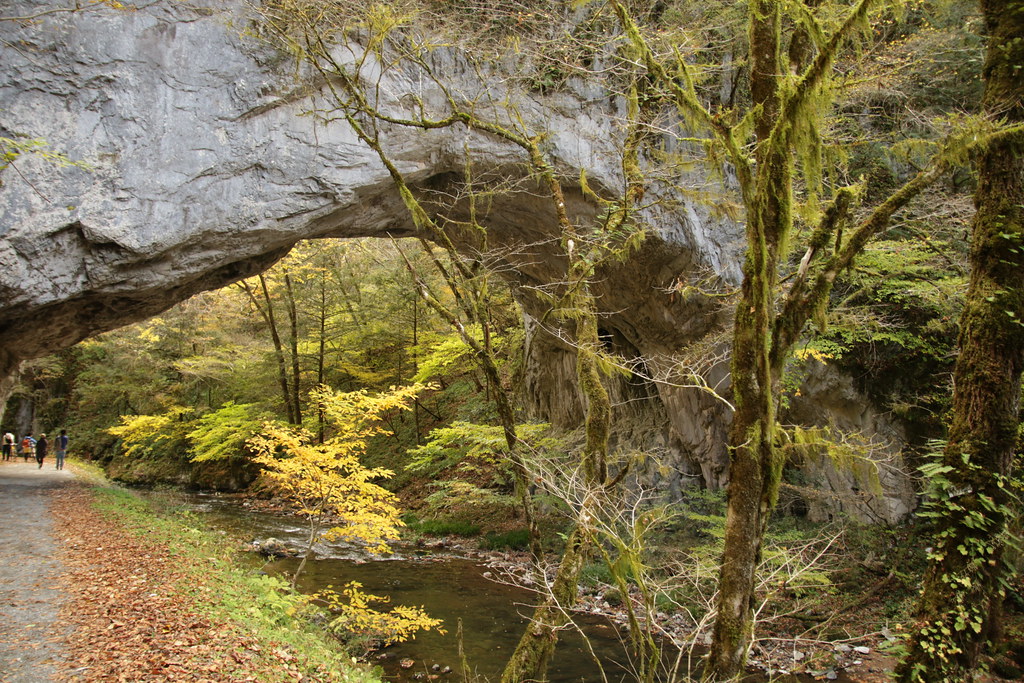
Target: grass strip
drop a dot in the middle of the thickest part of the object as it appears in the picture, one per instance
(272, 636)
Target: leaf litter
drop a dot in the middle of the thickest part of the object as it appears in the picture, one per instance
(134, 613)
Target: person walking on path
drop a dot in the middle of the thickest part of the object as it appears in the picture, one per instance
(61, 446)
(42, 446)
(28, 446)
(8, 446)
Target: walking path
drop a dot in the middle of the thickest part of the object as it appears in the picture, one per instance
(84, 599)
(30, 642)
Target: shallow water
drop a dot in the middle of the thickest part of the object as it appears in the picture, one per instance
(454, 589)
(447, 587)
(450, 588)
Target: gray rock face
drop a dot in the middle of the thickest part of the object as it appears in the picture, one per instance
(195, 178)
(202, 169)
(876, 488)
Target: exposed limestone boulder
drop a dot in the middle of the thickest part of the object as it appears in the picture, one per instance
(202, 169)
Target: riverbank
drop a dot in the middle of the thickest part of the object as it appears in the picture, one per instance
(153, 597)
(850, 632)
(108, 592)
(854, 648)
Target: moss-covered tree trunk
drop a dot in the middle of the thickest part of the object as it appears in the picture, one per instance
(752, 468)
(532, 655)
(963, 583)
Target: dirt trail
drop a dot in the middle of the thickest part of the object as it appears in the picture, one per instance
(30, 596)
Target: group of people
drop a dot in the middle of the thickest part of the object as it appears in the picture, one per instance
(31, 447)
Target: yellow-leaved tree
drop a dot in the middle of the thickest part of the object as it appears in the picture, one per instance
(327, 482)
(356, 617)
(337, 495)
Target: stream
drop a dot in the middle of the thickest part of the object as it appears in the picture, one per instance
(447, 586)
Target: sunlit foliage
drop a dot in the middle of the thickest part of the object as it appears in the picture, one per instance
(355, 616)
(151, 435)
(328, 480)
(223, 433)
(459, 441)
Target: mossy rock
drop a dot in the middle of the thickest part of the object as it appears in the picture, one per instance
(517, 539)
(613, 597)
(445, 527)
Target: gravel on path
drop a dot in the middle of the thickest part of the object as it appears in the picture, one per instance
(31, 637)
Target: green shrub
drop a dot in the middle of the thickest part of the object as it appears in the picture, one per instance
(446, 527)
(595, 573)
(613, 596)
(517, 539)
(223, 433)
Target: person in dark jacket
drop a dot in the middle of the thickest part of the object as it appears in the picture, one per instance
(61, 448)
(41, 447)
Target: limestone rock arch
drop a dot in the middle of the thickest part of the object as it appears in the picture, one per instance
(200, 168)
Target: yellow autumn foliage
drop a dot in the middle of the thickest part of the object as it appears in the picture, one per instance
(327, 481)
(810, 352)
(355, 615)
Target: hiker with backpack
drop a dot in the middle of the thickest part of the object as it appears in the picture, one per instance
(8, 446)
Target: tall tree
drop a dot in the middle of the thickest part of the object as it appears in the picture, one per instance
(964, 587)
(263, 302)
(790, 94)
(293, 340)
(307, 29)
(471, 307)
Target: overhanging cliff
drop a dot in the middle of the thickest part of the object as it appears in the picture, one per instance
(201, 166)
